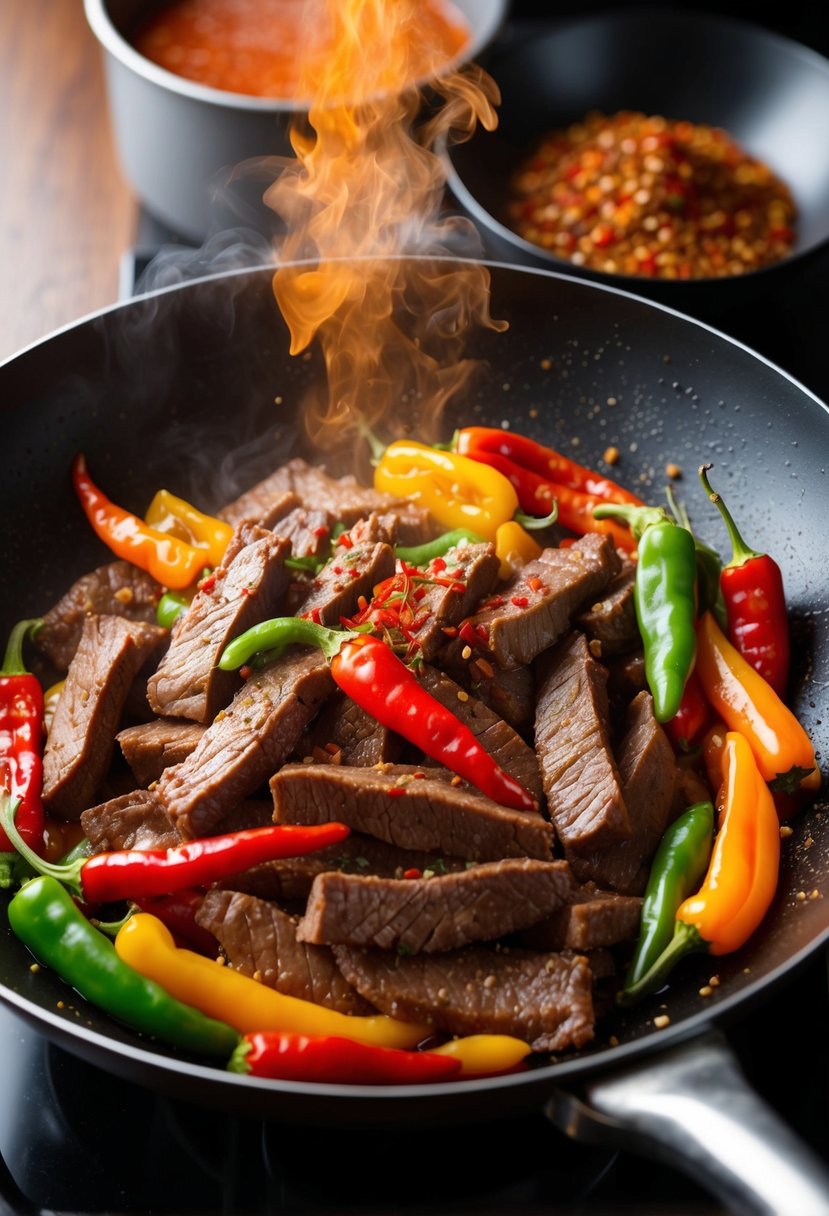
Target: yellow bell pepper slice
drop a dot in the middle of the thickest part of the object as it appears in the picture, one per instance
(167, 513)
(249, 1006)
(457, 491)
(483, 1055)
(514, 547)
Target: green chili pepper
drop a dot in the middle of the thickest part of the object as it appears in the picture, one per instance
(46, 919)
(170, 607)
(678, 865)
(421, 555)
(665, 594)
(709, 567)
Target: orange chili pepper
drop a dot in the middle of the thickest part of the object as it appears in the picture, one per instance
(746, 702)
(742, 874)
(172, 562)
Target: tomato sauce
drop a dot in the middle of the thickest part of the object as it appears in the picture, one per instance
(258, 47)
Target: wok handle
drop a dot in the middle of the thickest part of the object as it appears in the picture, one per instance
(694, 1108)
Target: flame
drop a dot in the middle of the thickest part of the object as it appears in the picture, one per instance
(365, 191)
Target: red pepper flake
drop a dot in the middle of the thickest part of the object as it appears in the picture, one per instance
(494, 601)
(345, 540)
(245, 671)
(451, 631)
(520, 601)
(413, 873)
(314, 614)
(355, 573)
(207, 584)
(535, 584)
(420, 592)
(395, 791)
(337, 569)
(247, 591)
(438, 563)
(321, 531)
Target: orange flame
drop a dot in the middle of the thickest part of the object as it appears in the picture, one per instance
(364, 194)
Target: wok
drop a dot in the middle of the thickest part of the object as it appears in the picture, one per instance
(178, 388)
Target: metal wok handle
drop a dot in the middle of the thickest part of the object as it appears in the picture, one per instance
(694, 1109)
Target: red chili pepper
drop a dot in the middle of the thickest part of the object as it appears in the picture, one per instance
(335, 1060)
(755, 602)
(372, 675)
(134, 873)
(178, 913)
(686, 728)
(21, 739)
(541, 476)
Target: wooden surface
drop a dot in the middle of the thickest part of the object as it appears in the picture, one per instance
(66, 212)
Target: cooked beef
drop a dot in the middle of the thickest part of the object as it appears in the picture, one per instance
(292, 877)
(445, 912)
(545, 999)
(118, 589)
(250, 589)
(345, 499)
(247, 742)
(536, 607)
(353, 571)
(81, 740)
(502, 742)
(474, 571)
(413, 812)
(137, 820)
(590, 919)
(309, 531)
(262, 505)
(611, 621)
(259, 940)
(511, 694)
(150, 747)
(345, 734)
(647, 772)
(578, 770)
(626, 676)
(689, 788)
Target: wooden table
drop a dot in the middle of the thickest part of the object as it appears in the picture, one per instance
(66, 212)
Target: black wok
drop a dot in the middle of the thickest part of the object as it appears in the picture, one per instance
(177, 388)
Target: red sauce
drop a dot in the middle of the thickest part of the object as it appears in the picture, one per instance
(256, 47)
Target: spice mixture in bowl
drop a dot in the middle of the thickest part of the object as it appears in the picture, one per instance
(678, 154)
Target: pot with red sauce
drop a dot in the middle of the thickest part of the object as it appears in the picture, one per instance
(200, 90)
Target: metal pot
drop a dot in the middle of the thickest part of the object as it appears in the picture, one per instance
(177, 388)
(179, 142)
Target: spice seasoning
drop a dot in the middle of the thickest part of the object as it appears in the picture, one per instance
(644, 195)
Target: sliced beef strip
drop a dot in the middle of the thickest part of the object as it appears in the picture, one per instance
(150, 747)
(626, 676)
(591, 919)
(581, 780)
(81, 740)
(545, 999)
(247, 742)
(345, 734)
(117, 589)
(250, 589)
(445, 912)
(309, 531)
(137, 820)
(611, 620)
(536, 607)
(503, 743)
(259, 940)
(291, 878)
(474, 569)
(647, 771)
(333, 593)
(413, 812)
(510, 694)
(344, 498)
(262, 504)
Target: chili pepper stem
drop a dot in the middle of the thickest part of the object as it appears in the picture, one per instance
(685, 940)
(13, 664)
(741, 551)
(534, 523)
(69, 875)
(637, 518)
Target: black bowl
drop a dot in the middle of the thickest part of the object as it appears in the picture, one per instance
(768, 92)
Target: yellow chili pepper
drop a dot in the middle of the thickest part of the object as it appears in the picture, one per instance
(483, 1055)
(176, 516)
(459, 492)
(514, 547)
(50, 701)
(170, 561)
(747, 703)
(742, 874)
(247, 1005)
